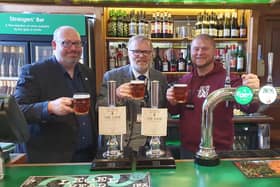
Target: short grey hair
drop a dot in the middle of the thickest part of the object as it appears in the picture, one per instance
(61, 28)
(139, 38)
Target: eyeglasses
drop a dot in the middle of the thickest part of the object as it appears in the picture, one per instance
(143, 52)
(68, 44)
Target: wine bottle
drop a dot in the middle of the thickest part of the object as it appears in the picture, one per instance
(227, 26)
(157, 61)
(240, 59)
(234, 31)
(165, 64)
(181, 63)
(243, 27)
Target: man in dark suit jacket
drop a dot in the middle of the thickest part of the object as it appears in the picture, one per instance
(140, 57)
(44, 93)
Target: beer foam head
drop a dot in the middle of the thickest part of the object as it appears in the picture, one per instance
(137, 82)
(81, 96)
(180, 85)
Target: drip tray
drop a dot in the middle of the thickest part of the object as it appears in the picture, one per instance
(250, 153)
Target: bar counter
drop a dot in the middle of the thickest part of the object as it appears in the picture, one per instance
(187, 173)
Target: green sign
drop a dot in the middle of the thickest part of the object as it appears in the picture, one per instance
(243, 95)
(39, 24)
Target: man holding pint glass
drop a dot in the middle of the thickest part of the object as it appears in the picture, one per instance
(57, 99)
(133, 90)
(207, 76)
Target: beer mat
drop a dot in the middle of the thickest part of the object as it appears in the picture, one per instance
(259, 168)
(141, 179)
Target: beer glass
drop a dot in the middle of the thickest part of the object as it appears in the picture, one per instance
(180, 92)
(81, 103)
(137, 89)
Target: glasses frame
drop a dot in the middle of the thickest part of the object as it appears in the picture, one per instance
(137, 52)
(68, 44)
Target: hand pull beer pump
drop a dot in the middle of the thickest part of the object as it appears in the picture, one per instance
(206, 154)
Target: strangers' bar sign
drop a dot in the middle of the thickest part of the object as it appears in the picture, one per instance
(39, 24)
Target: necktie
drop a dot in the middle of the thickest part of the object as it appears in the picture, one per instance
(142, 77)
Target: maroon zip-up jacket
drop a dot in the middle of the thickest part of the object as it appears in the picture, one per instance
(199, 87)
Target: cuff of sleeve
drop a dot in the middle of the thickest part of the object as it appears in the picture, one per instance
(45, 113)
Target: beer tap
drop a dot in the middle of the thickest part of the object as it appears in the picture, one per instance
(155, 144)
(268, 93)
(114, 148)
(227, 80)
(206, 154)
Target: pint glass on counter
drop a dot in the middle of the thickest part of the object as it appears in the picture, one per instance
(137, 89)
(81, 103)
(180, 92)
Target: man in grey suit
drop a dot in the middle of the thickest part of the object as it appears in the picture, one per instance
(140, 52)
(44, 93)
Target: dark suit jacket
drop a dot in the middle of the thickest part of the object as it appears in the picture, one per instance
(53, 138)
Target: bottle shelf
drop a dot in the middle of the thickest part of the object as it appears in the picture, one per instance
(122, 39)
(8, 78)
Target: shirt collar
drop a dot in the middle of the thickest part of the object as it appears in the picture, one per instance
(136, 74)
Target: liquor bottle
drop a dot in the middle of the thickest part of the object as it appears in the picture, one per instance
(227, 25)
(198, 24)
(188, 60)
(158, 25)
(153, 32)
(125, 24)
(234, 30)
(120, 23)
(240, 59)
(165, 25)
(141, 24)
(181, 63)
(220, 26)
(133, 28)
(233, 58)
(171, 25)
(205, 24)
(173, 63)
(243, 27)
(213, 25)
(260, 62)
(165, 64)
(124, 57)
(157, 61)
(112, 24)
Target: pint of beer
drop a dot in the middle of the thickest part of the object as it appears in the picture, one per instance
(81, 103)
(180, 92)
(137, 89)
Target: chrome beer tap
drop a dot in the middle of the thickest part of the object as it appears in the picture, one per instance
(206, 154)
(154, 151)
(114, 148)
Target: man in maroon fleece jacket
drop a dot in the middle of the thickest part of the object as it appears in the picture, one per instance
(207, 76)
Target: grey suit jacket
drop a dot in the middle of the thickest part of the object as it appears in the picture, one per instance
(122, 75)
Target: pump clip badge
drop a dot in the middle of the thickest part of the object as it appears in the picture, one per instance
(243, 95)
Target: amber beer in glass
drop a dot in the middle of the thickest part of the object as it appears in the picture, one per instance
(180, 92)
(137, 89)
(81, 103)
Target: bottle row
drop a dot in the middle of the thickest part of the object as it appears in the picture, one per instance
(7, 87)
(179, 60)
(161, 24)
(12, 59)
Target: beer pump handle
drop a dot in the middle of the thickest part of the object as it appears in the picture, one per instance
(248, 64)
(270, 65)
(227, 81)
